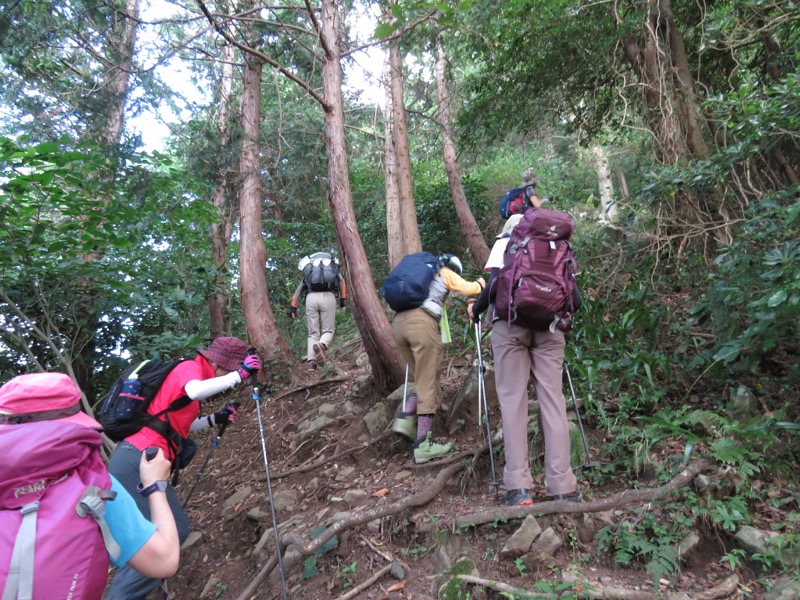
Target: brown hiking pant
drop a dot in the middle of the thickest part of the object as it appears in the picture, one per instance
(519, 351)
(417, 336)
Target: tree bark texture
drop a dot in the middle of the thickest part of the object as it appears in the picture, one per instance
(660, 63)
(120, 51)
(405, 185)
(221, 231)
(477, 245)
(369, 314)
(394, 226)
(679, 128)
(605, 184)
(110, 120)
(262, 330)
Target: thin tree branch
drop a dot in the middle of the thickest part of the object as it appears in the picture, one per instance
(261, 56)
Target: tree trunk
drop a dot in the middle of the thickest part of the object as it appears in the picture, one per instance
(262, 330)
(623, 185)
(221, 231)
(121, 54)
(387, 368)
(119, 51)
(394, 227)
(694, 123)
(405, 185)
(477, 245)
(670, 102)
(608, 207)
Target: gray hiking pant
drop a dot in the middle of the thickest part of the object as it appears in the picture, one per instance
(124, 465)
(321, 319)
(519, 351)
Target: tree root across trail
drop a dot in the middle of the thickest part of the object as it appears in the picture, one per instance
(610, 592)
(640, 496)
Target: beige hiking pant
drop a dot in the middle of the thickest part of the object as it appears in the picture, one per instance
(417, 336)
(320, 319)
(519, 351)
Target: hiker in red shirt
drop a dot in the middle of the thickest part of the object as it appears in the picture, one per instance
(220, 367)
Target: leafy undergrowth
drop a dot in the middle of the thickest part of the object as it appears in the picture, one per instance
(632, 547)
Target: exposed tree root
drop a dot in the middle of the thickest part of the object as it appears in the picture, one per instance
(324, 460)
(722, 590)
(307, 386)
(641, 496)
(610, 592)
(360, 588)
(361, 518)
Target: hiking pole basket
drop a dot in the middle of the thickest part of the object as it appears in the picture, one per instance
(278, 550)
(589, 464)
(483, 407)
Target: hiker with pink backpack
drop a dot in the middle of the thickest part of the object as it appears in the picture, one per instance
(62, 516)
(531, 295)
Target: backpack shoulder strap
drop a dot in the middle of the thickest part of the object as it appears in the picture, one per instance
(20, 571)
(91, 503)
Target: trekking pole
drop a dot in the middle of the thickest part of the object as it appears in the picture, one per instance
(405, 389)
(214, 444)
(483, 406)
(589, 462)
(278, 552)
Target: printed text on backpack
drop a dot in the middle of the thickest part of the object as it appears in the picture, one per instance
(408, 284)
(47, 550)
(537, 286)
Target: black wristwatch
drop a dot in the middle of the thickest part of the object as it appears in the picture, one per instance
(158, 486)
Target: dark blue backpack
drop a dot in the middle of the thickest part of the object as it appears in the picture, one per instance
(408, 284)
(513, 203)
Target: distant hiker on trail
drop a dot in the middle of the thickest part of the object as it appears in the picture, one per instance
(517, 200)
(417, 289)
(322, 282)
(220, 367)
(56, 531)
(520, 349)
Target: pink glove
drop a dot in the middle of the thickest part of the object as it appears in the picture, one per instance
(250, 365)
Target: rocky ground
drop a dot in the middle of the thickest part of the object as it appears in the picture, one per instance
(363, 521)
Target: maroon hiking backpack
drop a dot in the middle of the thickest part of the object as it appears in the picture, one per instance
(537, 286)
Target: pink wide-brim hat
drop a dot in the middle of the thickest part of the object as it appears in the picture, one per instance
(43, 397)
(227, 352)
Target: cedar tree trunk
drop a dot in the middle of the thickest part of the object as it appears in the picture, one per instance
(262, 330)
(221, 231)
(405, 185)
(477, 245)
(387, 368)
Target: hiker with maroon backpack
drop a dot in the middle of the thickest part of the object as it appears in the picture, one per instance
(61, 514)
(222, 366)
(531, 295)
(322, 282)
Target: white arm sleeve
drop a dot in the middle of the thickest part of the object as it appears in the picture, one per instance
(200, 390)
(202, 423)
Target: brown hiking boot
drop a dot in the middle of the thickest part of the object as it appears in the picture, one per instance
(311, 365)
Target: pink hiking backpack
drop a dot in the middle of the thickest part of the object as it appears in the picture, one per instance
(537, 286)
(52, 486)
